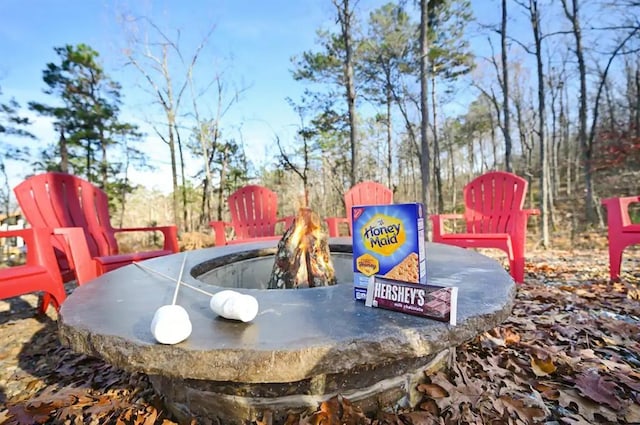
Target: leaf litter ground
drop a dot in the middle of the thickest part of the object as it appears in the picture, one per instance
(568, 354)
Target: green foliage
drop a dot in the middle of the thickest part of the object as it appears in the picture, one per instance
(477, 120)
(13, 124)
(86, 117)
(324, 137)
(449, 51)
(387, 52)
(318, 67)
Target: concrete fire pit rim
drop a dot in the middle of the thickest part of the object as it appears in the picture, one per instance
(93, 321)
(221, 256)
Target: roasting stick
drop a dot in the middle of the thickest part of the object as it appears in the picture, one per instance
(175, 293)
(226, 303)
(171, 323)
(195, 288)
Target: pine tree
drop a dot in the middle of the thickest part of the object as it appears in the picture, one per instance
(86, 118)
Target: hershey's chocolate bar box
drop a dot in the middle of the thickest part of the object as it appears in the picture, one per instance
(389, 241)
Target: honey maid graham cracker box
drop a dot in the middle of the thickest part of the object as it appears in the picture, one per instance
(388, 241)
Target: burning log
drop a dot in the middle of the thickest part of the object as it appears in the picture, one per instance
(303, 259)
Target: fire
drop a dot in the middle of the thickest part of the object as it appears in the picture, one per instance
(303, 258)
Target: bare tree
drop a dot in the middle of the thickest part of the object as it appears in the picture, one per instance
(506, 127)
(572, 12)
(534, 16)
(154, 62)
(345, 18)
(424, 101)
(207, 133)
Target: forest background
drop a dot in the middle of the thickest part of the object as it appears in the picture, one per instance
(549, 90)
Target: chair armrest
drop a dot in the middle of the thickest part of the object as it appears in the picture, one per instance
(618, 210)
(624, 201)
(438, 223)
(77, 252)
(36, 241)
(219, 231)
(170, 234)
(333, 223)
(531, 211)
(288, 221)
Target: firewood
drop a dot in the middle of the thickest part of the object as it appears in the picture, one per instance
(302, 258)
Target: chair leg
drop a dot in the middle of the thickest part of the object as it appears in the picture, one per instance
(615, 262)
(44, 303)
(517, 269)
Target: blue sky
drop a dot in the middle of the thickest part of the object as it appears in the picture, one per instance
(253, 41)
(256, 40)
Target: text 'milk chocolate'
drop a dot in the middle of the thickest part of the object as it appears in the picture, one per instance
(434, 302)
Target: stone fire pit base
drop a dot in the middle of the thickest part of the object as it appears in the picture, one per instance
(368, 389)
(305, 345)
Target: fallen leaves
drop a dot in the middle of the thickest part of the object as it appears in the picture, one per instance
(568, 354)
(542, 366)
(599, 389)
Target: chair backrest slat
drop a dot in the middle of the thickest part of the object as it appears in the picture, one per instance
(491, 201)
(62, 200)
(366, 193)
(254, 211)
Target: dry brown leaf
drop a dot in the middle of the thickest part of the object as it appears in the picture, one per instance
(292, 419)
(632, 413)
(574, 420)
(597, 388)
(430, 406)
(510, 336)
(337, 410)
(633, 294)
(592, 412)
(21, 414)
(267, 418)
(419, 418)
(388, 418)
(526, 413)
(552, 394)
(542, 367)
(433, 390)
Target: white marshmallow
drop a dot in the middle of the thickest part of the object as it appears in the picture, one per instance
(171, 324)
(234, 305)
(219, 298)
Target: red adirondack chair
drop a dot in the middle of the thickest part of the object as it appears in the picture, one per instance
(39, 272)
(363, 193)
(254, 215)
(65, 202)
(621, 231)
(494, 218)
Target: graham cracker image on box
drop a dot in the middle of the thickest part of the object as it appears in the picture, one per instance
(406, 271)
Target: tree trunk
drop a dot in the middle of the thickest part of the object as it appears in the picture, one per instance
(344, 17)
(437, 172)
(574, 18)
(183, 191)
(565, 140)
(424, 105)
(452, 172)
(506, 128)
(174, 173)
(494, 144)
(64, 152)
(104, 164)
(636, 121)
(389, 136)
(544, 163)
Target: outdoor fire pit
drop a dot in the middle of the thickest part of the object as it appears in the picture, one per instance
(304, 346)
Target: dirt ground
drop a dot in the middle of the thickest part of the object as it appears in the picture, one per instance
(569, 353)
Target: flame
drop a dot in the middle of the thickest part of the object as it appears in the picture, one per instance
(309, 237)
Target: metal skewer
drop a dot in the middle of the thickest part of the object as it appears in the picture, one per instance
(149, 269)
